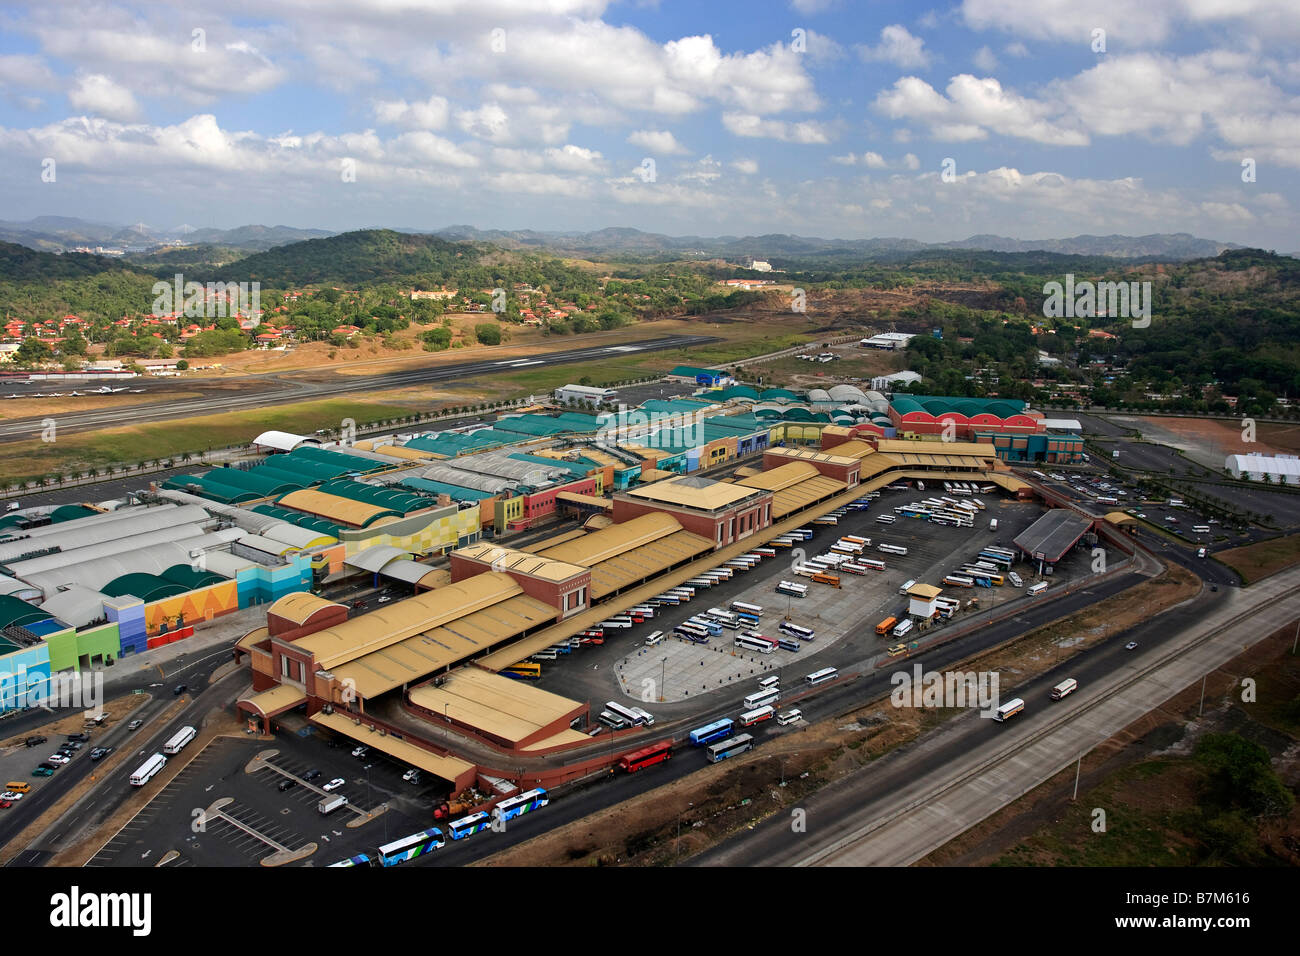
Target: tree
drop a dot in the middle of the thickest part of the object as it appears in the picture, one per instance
(33, 351)
(182, 365)
(488, 333)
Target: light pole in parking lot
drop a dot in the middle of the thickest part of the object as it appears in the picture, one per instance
(663, 668)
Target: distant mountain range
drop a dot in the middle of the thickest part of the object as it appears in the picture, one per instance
(60, 233)
(63, 234)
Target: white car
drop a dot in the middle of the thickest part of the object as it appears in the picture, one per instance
(58, 758)
(385, 599)
(411, 776)
(334, 784)
(1131, 645)
(360, 751)
(11, 796)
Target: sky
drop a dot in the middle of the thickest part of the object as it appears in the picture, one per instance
(1025, 118)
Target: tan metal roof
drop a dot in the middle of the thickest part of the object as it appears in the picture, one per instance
(401, 451)
(616, 573)
(903, 446)
(276, 700)
(401, 619)
(539, 546)
(252, 638)
(505, 708)
(800, 496)
(782, 476)
(591, 501)
(607, 542)
(509, 559)
(334, 507)
(563, 738)
(926, 591)
(655, 474)
(856, 448)
(811, 454)
(416, 657)
(299, 606)
(692, 491)
(448, 768)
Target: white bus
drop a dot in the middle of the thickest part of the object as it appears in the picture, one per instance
(757, 715)
(892, 549)
(147, 770)
(1014, 579)
(723, 617)
(769, 681)
(634, 716)
(1201, 528)
(179, 740)
(796, 630)
(654, 638)
(884, 519)
(1009, 709)
(1038, 588)
(646, 717)
(740, 607)
(789, 716)
(768, 695)
(821, 676)
(903, 588)
(753, 644)
(902, 628)
(1067, 686)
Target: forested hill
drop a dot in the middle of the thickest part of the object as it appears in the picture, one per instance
(356, 258)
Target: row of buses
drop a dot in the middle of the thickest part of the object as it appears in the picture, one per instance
(426, 841)
(719, 738)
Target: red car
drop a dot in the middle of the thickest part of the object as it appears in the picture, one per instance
(6, 804)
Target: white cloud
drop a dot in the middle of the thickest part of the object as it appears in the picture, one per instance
(25, 71)
(869, 159)
(973, 107)
(661, 142)
(911, 162)
(897, 46)
(99, 95)
(1016, 49)
(575, 159)
(812, 6)
(748, 125)
(429, 114)
(1072, 21)
(985, 60)
(747, 167)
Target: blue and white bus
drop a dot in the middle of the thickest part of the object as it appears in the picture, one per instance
(409, 847)
(467, 826)
(821, 676)
(512, 807)
(797, 630)
(785, 644)
(753, 610)
(717, 730)
(729, 748)
(360, 859)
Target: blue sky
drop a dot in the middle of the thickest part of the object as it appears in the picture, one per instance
(817, 117)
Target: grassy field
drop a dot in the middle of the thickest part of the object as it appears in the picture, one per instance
(1257, 561)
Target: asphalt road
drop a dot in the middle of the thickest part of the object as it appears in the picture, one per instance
(289, 387)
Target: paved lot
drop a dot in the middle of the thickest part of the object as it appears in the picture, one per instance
(698, 680)
(289, 817)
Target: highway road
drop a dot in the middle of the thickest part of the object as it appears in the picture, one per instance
(290, 387)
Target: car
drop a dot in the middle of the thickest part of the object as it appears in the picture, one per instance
(99, 753)
(1131, 645)
(79, 736)
(385, 599)
(360, 752)
(311, 775)
(334, 784)
(286, 784)
(180, 689)
(43, 772)
(13, 796)
(34, 741)
(72, 745)
(135, 725)
(358, 603)
(6, 804)
(411, 776)
(58, 759)
(896, 649)
(1214, 587)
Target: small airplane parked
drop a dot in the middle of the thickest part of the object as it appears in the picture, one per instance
(108, 390)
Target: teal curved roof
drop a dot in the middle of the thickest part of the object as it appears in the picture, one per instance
(732, 392)
(192, 578)
(774, 394)
(147, 587)
(20, 613)
(799, 414)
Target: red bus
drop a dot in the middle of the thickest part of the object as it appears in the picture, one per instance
(646, 757)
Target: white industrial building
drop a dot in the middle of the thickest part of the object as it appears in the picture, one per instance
(887, 340)
(584, 393)
(886, 383)
(1274, 469)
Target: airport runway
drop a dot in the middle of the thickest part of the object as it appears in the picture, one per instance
(265, 389)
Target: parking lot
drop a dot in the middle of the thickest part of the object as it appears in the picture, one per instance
(262, 817)
(677, 678)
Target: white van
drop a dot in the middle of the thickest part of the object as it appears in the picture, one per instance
(654, 638)
(789, 716)
(902, 628)
(993, 524)
(905, 585)
(1014, 579)
(1038, 588)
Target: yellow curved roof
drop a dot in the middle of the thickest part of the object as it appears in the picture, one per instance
(334, 507)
